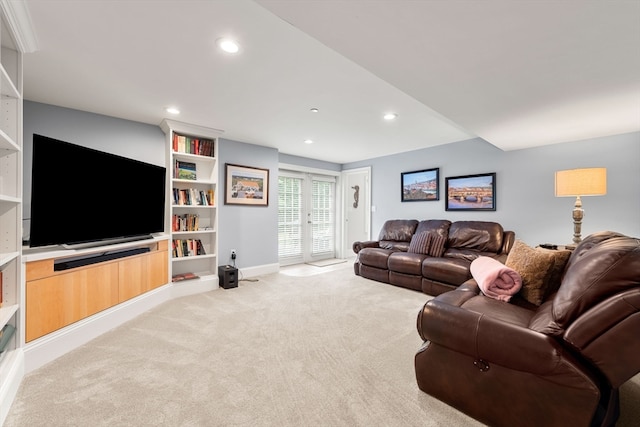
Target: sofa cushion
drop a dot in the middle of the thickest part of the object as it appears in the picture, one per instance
(603, 264)
(398, 230)
(374, 257)
(535, 268)
(420, 243)
(483, 236)
(406, 262)
(434, 226)
(447, 270)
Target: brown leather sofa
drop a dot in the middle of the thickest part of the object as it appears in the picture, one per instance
(557, 364)
(389, 260)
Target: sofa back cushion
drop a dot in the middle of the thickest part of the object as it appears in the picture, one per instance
(430, 237)
(602, 265)
(437, 226)
(397, 233)
(481, 236)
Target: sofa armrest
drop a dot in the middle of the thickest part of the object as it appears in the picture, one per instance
(445, 322)
(508, 238)
(358, 246)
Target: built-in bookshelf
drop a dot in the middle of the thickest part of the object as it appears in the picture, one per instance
(193, 161)
(11, 333)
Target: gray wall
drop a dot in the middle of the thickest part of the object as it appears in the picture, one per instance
(525, 199)
(308, 163)
(251, 230)
(525, 186)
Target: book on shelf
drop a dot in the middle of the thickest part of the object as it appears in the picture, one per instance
(192, 197)
(185, 170)
(187, 247)
(192, 145)
(186, 222)
(184, 276)
(1, 291)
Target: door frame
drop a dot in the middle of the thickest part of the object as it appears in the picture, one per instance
(345, 246)
(338, 238)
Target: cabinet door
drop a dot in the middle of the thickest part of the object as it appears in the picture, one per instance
(158, 268)
(58, 301)
(134, 279)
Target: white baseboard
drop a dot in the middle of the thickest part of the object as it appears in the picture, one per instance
(258, 270)
(190, 287)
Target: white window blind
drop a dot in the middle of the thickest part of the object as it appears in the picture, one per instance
(323, 215)
(290, 207)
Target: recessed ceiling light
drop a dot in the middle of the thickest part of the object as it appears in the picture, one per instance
(314, 110)
(228, 45)
(172, 110)
(390, 116)
(308, 141)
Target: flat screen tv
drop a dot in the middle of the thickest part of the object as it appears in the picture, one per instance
(81, 196)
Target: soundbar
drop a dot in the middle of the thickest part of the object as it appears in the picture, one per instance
(75, 262)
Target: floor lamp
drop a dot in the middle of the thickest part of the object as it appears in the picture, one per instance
(577, 183)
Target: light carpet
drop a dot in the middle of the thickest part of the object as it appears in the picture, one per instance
(329, 349)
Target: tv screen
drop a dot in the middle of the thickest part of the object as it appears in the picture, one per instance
(80, 195)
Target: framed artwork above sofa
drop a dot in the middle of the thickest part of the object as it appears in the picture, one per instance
(471, 192)
(420, 186)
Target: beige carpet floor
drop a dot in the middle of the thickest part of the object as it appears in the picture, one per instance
(290, 349)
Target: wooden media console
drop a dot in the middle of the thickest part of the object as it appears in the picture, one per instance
(56, 297)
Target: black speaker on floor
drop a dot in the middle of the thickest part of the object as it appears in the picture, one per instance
(228, 276)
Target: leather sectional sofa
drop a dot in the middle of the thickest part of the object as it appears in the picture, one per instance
(556, 363)
(433, 270)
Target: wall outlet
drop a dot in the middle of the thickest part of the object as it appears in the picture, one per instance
(233, 254)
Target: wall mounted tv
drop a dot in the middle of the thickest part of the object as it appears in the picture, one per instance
(82, 197)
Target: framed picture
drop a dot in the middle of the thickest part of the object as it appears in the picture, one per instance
(471, 192)
(420, 186)
(246, 185)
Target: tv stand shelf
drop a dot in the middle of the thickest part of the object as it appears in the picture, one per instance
(58, 298)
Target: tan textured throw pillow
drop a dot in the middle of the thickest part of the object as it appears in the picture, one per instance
(535, 268)
(420, 243)
(560, 261)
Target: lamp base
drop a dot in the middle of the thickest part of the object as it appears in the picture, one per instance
(578, 214)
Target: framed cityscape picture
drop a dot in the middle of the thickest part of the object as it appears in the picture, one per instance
(471, 192)
(420, 186)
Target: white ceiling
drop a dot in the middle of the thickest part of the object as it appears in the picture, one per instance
(516, 73)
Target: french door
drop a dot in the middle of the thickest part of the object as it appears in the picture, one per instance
(306, 217)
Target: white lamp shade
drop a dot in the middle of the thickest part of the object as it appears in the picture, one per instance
(581, 182)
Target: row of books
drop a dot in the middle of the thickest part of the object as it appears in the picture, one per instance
(190, 145)
(187, 222)
(187, 247)
(193, 196)
(184, 170)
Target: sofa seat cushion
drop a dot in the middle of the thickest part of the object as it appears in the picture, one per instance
(375, 257)
(448, 270)
(406, 262)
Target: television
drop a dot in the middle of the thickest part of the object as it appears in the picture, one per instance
(85, 197)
